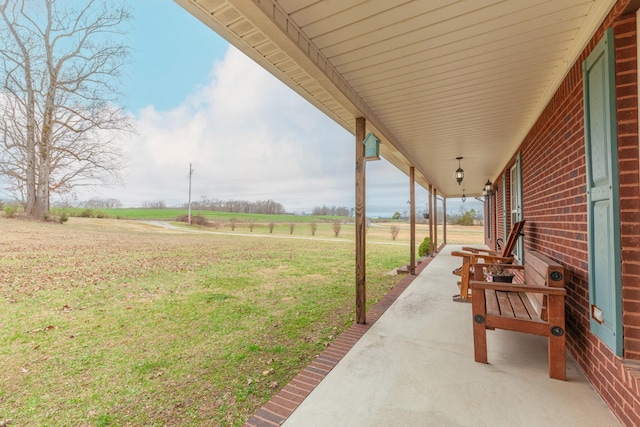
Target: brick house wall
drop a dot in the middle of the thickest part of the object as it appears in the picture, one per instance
(554, 197)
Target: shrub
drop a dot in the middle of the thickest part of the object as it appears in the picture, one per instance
(466, 219)
(10, 211)
(395, 229)
(64, 217)
(336, 227)
(87, 213)
(195, 219)
(425, 247)
(101, 215)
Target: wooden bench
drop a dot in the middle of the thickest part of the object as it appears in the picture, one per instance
(471, 256)
(535, 306)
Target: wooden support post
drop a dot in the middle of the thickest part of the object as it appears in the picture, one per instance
(361, 219)
(412, 216)
(432, 250)
(444, 220)
(435, 219)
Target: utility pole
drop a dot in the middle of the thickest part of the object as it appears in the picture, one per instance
(190, 174)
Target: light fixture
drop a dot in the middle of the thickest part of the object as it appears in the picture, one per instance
(459, 171)
(464, 198)
(488, 188)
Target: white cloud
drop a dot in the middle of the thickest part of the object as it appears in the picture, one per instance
(249, 137)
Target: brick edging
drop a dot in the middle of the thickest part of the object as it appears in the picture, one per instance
(281, 406)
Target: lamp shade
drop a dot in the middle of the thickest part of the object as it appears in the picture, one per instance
(488, 187)
(459, 172)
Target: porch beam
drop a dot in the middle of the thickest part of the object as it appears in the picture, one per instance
(431, 250)
(412, 216)
(361, 219)
(444, 220)
(435, 219)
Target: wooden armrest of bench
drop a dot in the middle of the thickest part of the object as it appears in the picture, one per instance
(504, 266)
(496, 259)
(478, 250)
(517, 287)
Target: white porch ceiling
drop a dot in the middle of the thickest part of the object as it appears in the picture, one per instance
(435, 79)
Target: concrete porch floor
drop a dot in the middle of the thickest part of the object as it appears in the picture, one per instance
(415, 367)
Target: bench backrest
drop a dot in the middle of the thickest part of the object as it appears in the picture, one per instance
(514, 234)
(541, 270)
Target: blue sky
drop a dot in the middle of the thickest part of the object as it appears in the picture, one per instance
(194, 98)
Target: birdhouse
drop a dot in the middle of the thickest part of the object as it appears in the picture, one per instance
(371, 147)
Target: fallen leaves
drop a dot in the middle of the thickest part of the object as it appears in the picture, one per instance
(65, 258)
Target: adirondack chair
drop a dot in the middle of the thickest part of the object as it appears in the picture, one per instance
(471, 256)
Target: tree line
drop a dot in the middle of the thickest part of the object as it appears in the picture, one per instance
(332, 211)
(268, 207)
(470, 217)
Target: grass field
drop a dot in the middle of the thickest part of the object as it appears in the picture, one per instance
(113, 322)
(170, 213)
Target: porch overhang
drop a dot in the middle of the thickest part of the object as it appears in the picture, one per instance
(434, 80)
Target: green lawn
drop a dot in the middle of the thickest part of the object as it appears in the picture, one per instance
(115, 322)
(170, 214)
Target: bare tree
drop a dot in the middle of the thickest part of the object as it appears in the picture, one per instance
(59, 121)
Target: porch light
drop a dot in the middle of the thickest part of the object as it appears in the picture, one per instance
(459, 171)
(488, 188)
(464, 198)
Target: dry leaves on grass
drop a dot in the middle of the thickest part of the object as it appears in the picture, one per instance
(64, 257)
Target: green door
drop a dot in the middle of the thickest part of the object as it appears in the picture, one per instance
(603, 211)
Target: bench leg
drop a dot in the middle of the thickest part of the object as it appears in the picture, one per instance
(557, 341)
(557, 358)
(464, 279)
(479, 327)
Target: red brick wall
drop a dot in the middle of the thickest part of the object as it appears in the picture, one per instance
(554, 196)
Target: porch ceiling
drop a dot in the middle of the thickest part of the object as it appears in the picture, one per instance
(435, 79)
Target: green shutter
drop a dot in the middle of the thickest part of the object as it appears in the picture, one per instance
(603, 202)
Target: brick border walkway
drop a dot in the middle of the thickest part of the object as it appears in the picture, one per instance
(281, 406)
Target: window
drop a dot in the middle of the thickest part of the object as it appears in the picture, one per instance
(515, 198)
